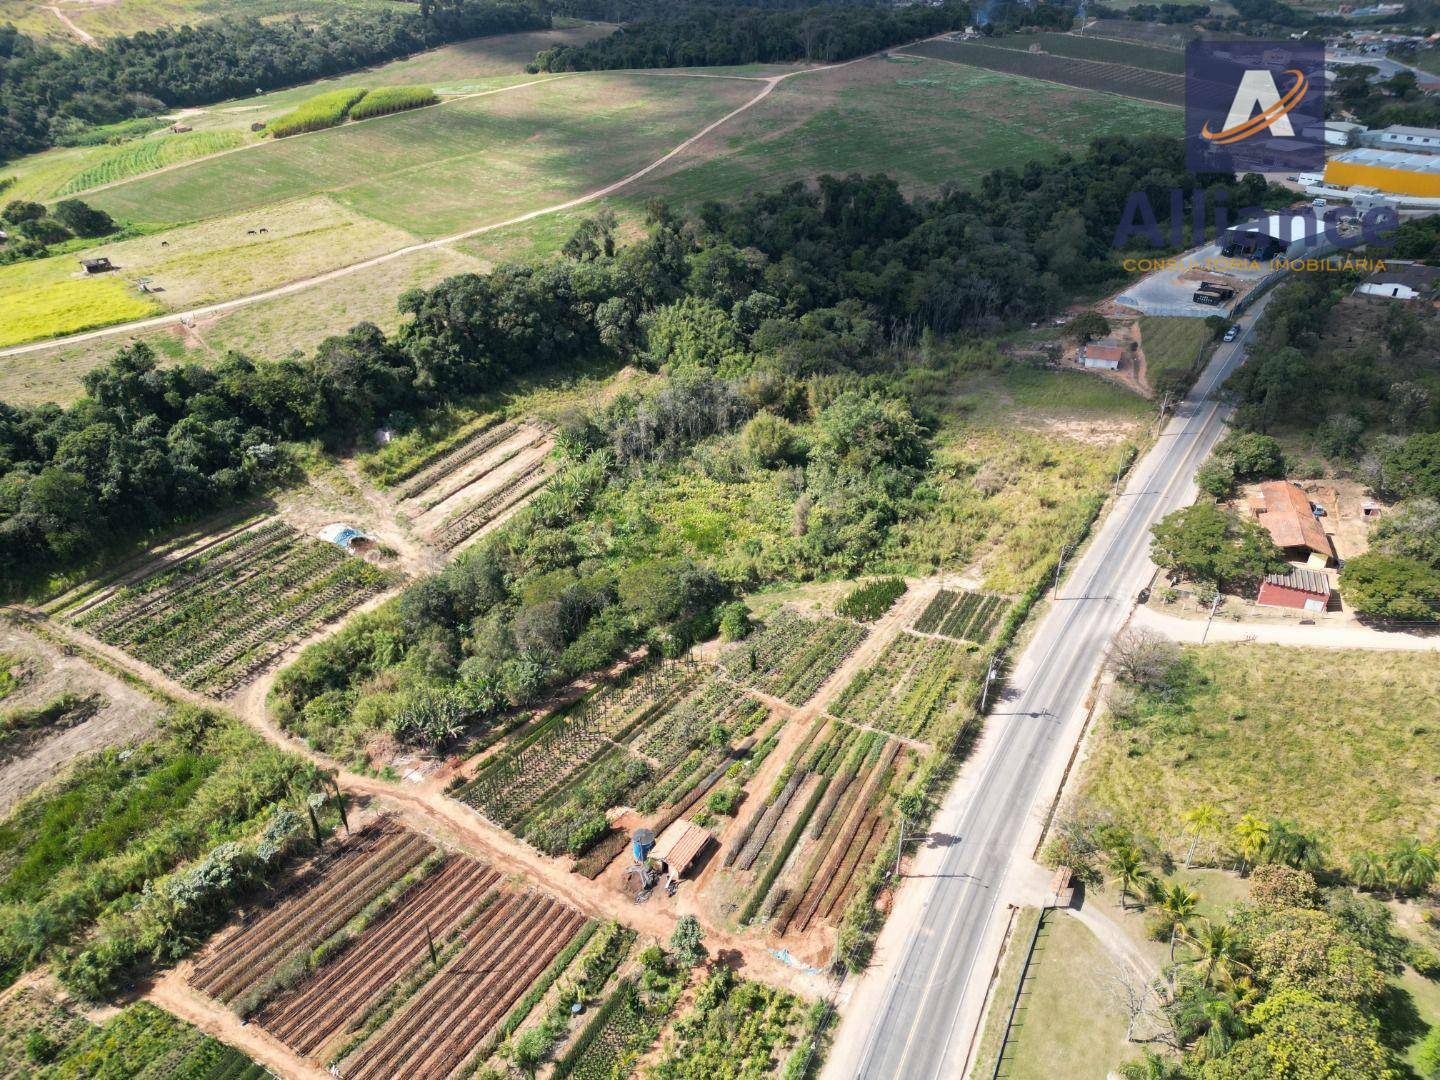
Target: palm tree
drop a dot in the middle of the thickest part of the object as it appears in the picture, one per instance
(1202, 820)
(1368, 871)
(1177, 904)
(1251, 835)
(1128, 868)
(1222, 1024)
(1412, 867)
(1150, 1067)
(1218, 951)
(1289, 846)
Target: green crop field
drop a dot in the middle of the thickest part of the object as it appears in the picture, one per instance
(1092, 48)
(445, 169)
(1265, 727)
(926, 124)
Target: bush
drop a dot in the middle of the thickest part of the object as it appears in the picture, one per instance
(735, 623)
(687, 941)
(318, 113)
(1391, 587)
(392, 99)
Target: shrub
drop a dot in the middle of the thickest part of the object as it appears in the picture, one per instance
(735, 622)
(318, 113)
(392, 99)
(687, 941)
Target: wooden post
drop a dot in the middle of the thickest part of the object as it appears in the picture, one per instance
(430, 941)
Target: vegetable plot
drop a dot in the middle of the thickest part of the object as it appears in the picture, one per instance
(792, 656)
(215, 620)
(316, 907)
(965, 616)
(915, 684)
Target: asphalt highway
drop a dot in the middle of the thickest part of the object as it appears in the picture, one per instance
(917, 1032)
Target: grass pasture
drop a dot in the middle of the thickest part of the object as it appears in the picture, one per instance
(1265, 728)
(1069, 1023)
(442, 170)
(1174, 348)
(103, 20)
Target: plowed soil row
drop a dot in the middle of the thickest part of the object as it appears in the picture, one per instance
(508, 947)
(362, 870)
(337, 996)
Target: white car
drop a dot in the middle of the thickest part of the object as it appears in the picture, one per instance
(1232, 333)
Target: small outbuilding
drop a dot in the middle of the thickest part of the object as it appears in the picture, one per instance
(97, 266)
(1102, 355)
(347, 537)
(679, 846)
(1302, 589)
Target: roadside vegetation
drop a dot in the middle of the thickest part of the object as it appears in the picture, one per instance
(1249, 733)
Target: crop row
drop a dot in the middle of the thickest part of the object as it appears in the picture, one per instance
(509, 946)
(965, 616)
(913, 684)
(792, 656)
(476, 516)
(319, 905)
(713, 711)
(434, 496)
(430, 471)
(219, 618)
(320, 112)
(337, 996)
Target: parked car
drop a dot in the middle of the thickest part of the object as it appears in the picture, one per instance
(1232, 333)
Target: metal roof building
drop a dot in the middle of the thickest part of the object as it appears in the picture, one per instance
(1386, 170)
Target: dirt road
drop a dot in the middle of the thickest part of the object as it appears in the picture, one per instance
(300, 285)
(1314, 637)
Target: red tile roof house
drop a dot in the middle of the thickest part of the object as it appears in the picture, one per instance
(1306, 590)
(1288, 515)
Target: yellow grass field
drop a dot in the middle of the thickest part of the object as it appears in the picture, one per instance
(41, 299)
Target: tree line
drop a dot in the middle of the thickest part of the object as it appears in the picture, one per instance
(817, 278)
(696, 35)
(47, 93)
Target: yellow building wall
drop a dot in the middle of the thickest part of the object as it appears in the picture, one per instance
(1397, 181)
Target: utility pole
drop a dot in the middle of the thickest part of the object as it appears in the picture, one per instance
(1164, 408)
(1059, 568)
(899, 848)
(1213, 605)
(991, 675)
(430, 941)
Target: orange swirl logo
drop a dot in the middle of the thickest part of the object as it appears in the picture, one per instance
(1271, 115)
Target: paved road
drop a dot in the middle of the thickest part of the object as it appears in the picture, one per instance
(918, 1031)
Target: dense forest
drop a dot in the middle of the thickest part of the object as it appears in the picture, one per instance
(48, 93)
(814, 277)
(694, 35)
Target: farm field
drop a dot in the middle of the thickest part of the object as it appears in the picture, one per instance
(1261, 728)
(56, 708)
(140, 1042)
(467, 67)
(1174, 349)
(1131, 82)
(421, 171)
(962, 615)
(309, 912)
(132, 16)
(1133, 54)
(467, 491)
(794, 860)
(217, 619)
(650, 742)
(914, 687)
(917, 121)
(792, 656)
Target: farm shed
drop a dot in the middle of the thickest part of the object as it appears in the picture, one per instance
(1289, 517)
(1307, 590)
(679, 846)
(347, 537)
(1102, 355)
(97, 266)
